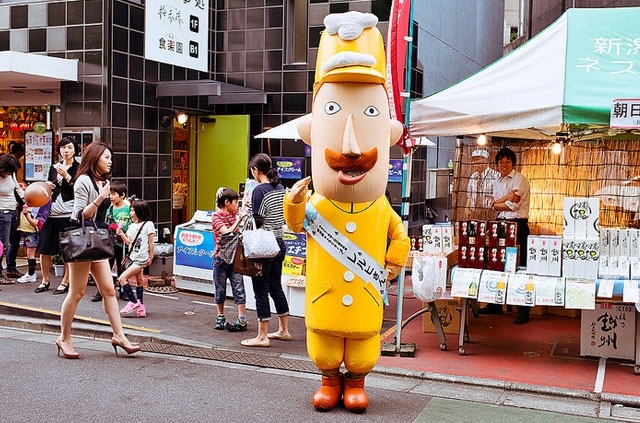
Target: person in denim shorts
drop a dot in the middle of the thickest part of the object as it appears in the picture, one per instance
(224, 221)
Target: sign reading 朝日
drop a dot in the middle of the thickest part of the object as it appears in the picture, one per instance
(177, 33)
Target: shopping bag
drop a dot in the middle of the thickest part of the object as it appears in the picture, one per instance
(244, 265)
(229, 241)
(260, 244)
(86, 243)
(228, 246)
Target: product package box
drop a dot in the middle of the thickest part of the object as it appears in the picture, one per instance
(593, 220)
(449, 315)
(605, 241)
(432, 239)
(463, 232)
(555, 256)
(568, 229)
(512, 230)
(580, 213)
(608, 331)
(634, 242)
(447, 238)
(481, 233)
(534, 244)
(481, 255)
(493, 233)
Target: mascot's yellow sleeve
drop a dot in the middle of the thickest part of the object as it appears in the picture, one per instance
(294, 214)
(400, 244)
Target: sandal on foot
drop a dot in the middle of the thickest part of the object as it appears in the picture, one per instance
(255, 342)
(42, 287)
(278, 336)
(5, 281)
(61, 289)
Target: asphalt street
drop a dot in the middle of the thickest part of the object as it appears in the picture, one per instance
(100, 387)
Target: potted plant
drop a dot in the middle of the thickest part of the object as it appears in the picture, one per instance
(58, 264)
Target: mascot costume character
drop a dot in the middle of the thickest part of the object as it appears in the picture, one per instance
(348, 218)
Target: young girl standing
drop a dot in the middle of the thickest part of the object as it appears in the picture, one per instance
(139, 240)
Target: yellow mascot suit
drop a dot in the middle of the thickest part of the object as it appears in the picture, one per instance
(355, 239)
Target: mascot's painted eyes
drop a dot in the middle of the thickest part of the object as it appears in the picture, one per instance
(371, 111)
(332, 108)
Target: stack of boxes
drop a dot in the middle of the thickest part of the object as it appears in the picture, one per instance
(581, 242)
(483, 244)
(619, 253)
(544, 255)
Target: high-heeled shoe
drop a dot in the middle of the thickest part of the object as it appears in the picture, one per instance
(129, 350)
(66, 354)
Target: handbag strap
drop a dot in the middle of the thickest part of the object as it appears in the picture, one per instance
(135, 239)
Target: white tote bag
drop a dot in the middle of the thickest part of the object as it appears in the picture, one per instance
(259, 243)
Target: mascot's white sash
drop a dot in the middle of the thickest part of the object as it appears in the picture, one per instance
(344, 250)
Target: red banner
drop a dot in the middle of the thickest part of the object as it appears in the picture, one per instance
(396, 60)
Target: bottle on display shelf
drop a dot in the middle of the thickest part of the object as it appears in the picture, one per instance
(558, 295)
(472, 232)
(500, 288)
(529, 290)
(473, 287)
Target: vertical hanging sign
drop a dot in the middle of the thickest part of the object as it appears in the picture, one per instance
(177, 33)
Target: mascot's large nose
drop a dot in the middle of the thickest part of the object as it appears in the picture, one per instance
(349, 142)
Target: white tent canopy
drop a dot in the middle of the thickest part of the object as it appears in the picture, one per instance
(563, 79)
(286, 131)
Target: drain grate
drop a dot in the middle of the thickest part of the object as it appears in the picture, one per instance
(252, 359)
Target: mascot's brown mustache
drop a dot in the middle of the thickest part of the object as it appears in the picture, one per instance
(362, 163)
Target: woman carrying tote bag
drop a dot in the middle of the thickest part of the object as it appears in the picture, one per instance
(91, 190)
(267, 205)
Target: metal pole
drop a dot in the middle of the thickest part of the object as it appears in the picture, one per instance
(406, 176)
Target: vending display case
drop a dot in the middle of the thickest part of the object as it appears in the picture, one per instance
(193, 250)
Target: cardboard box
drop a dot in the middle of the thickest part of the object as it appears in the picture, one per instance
(608, 331)
(449, 314)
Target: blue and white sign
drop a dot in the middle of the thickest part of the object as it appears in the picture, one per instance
(177, 33)
(289, 167)
(194, 248)
(395, 170)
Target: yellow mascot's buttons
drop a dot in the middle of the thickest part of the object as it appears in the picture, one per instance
(351, 227)
(347, 300)
(348, 276)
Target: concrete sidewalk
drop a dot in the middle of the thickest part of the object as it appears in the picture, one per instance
(182, 323)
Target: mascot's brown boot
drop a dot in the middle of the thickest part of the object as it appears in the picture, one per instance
(327, 397)
(354, 397)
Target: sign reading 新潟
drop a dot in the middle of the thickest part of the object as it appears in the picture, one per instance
(177, 33)
(625, 113)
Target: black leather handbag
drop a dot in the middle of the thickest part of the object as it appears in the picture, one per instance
(86, 243)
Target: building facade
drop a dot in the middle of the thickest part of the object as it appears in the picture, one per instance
(265, 46)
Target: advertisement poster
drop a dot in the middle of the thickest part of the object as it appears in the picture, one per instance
(294, 259)
(395, 170)
(289, 167)
(194, 249)
(38, 155)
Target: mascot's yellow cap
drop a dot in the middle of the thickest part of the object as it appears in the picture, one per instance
(351, 50)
